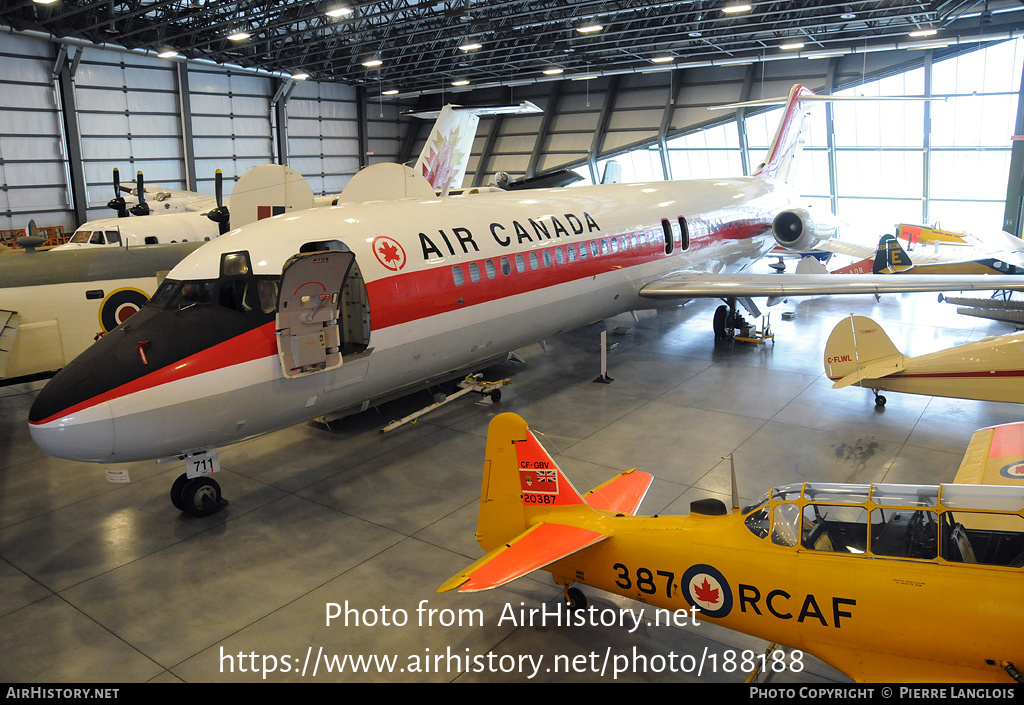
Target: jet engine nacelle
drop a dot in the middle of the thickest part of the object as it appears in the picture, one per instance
(796, 229)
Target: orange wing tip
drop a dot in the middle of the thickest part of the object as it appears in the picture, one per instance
(535, 548)
(621, 494)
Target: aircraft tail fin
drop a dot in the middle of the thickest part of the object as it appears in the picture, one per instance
(789, 138)
(612, 173)
(890, 257)
(857, 350)
(445, 155)
(529, 511)
(268, 190)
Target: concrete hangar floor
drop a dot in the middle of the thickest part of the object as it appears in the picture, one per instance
(107, 582)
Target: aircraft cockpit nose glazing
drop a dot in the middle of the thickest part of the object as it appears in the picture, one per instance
(188, 331)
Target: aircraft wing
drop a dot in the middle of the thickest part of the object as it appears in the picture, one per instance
(995, 456)
(621, 494)
(690, 284)
(9, 321)
(533, 549)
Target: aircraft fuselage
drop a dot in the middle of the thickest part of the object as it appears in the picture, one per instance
(442, 284)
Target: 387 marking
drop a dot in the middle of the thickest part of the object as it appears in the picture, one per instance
(646, 581)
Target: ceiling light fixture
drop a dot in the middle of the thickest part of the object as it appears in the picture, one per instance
(470, 46)
(239, 36)
(339, 12)
(924, 33)
(300, 76)
(662, 59)
(553, 71)
(791, 46)
(735, 9)
(461, 82)
(390, 91)
(372, 63)
(590, 28)
(169, 54)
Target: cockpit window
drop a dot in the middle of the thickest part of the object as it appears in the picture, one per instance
(786, 525)
(244, 294)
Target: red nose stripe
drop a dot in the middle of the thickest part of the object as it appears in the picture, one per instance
(253, 345)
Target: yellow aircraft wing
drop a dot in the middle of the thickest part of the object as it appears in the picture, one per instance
(621, 494)
(995, 456)
(535, 548)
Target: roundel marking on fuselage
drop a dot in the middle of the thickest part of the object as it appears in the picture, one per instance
(705, 588)
(119, 305)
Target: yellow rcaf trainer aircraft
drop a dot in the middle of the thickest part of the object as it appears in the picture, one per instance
(887, 583)
(859, 353)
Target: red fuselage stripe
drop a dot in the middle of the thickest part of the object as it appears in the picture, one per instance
(415, 295)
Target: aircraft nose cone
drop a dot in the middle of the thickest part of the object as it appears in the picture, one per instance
(69, 419)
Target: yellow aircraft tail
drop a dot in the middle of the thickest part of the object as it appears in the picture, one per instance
(531, 515)
(858, 349)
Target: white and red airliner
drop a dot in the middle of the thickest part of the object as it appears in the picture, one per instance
(291, 318)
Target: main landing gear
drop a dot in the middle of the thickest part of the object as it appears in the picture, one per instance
(728, 319)
(199, 496)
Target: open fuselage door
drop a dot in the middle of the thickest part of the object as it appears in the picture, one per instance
(309, 338)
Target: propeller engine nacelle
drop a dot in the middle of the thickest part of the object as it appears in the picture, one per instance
(796, 229)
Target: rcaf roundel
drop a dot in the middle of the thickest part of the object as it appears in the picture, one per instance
(119, 306)
(1014, 471)
(707, 589)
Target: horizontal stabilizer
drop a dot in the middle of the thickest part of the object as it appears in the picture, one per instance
(533, 549)
(876, 370)
(994, 456)
(622, 494)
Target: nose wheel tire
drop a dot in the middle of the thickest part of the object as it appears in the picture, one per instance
(198, 496)
(575, 598)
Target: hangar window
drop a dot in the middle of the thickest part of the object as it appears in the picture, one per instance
(457, 275)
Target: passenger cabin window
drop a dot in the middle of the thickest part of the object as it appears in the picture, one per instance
(474, 272)
(489, 267)
(520, 263)
(684, 233)
(457, 275)
(506, 268)
(534, 264)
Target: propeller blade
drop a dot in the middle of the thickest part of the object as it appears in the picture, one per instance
(142, 208)
(220, 215)
(118, 202)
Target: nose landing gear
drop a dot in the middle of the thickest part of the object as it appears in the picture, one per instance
(198, 496)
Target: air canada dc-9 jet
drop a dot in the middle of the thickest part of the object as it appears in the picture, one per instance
(331, 309)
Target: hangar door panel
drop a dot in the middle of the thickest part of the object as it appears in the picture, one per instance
(308, 336)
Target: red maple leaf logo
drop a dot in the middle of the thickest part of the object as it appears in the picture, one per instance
(390, 253)
(705, 593)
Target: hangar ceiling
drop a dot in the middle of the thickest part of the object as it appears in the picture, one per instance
(418, 43)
